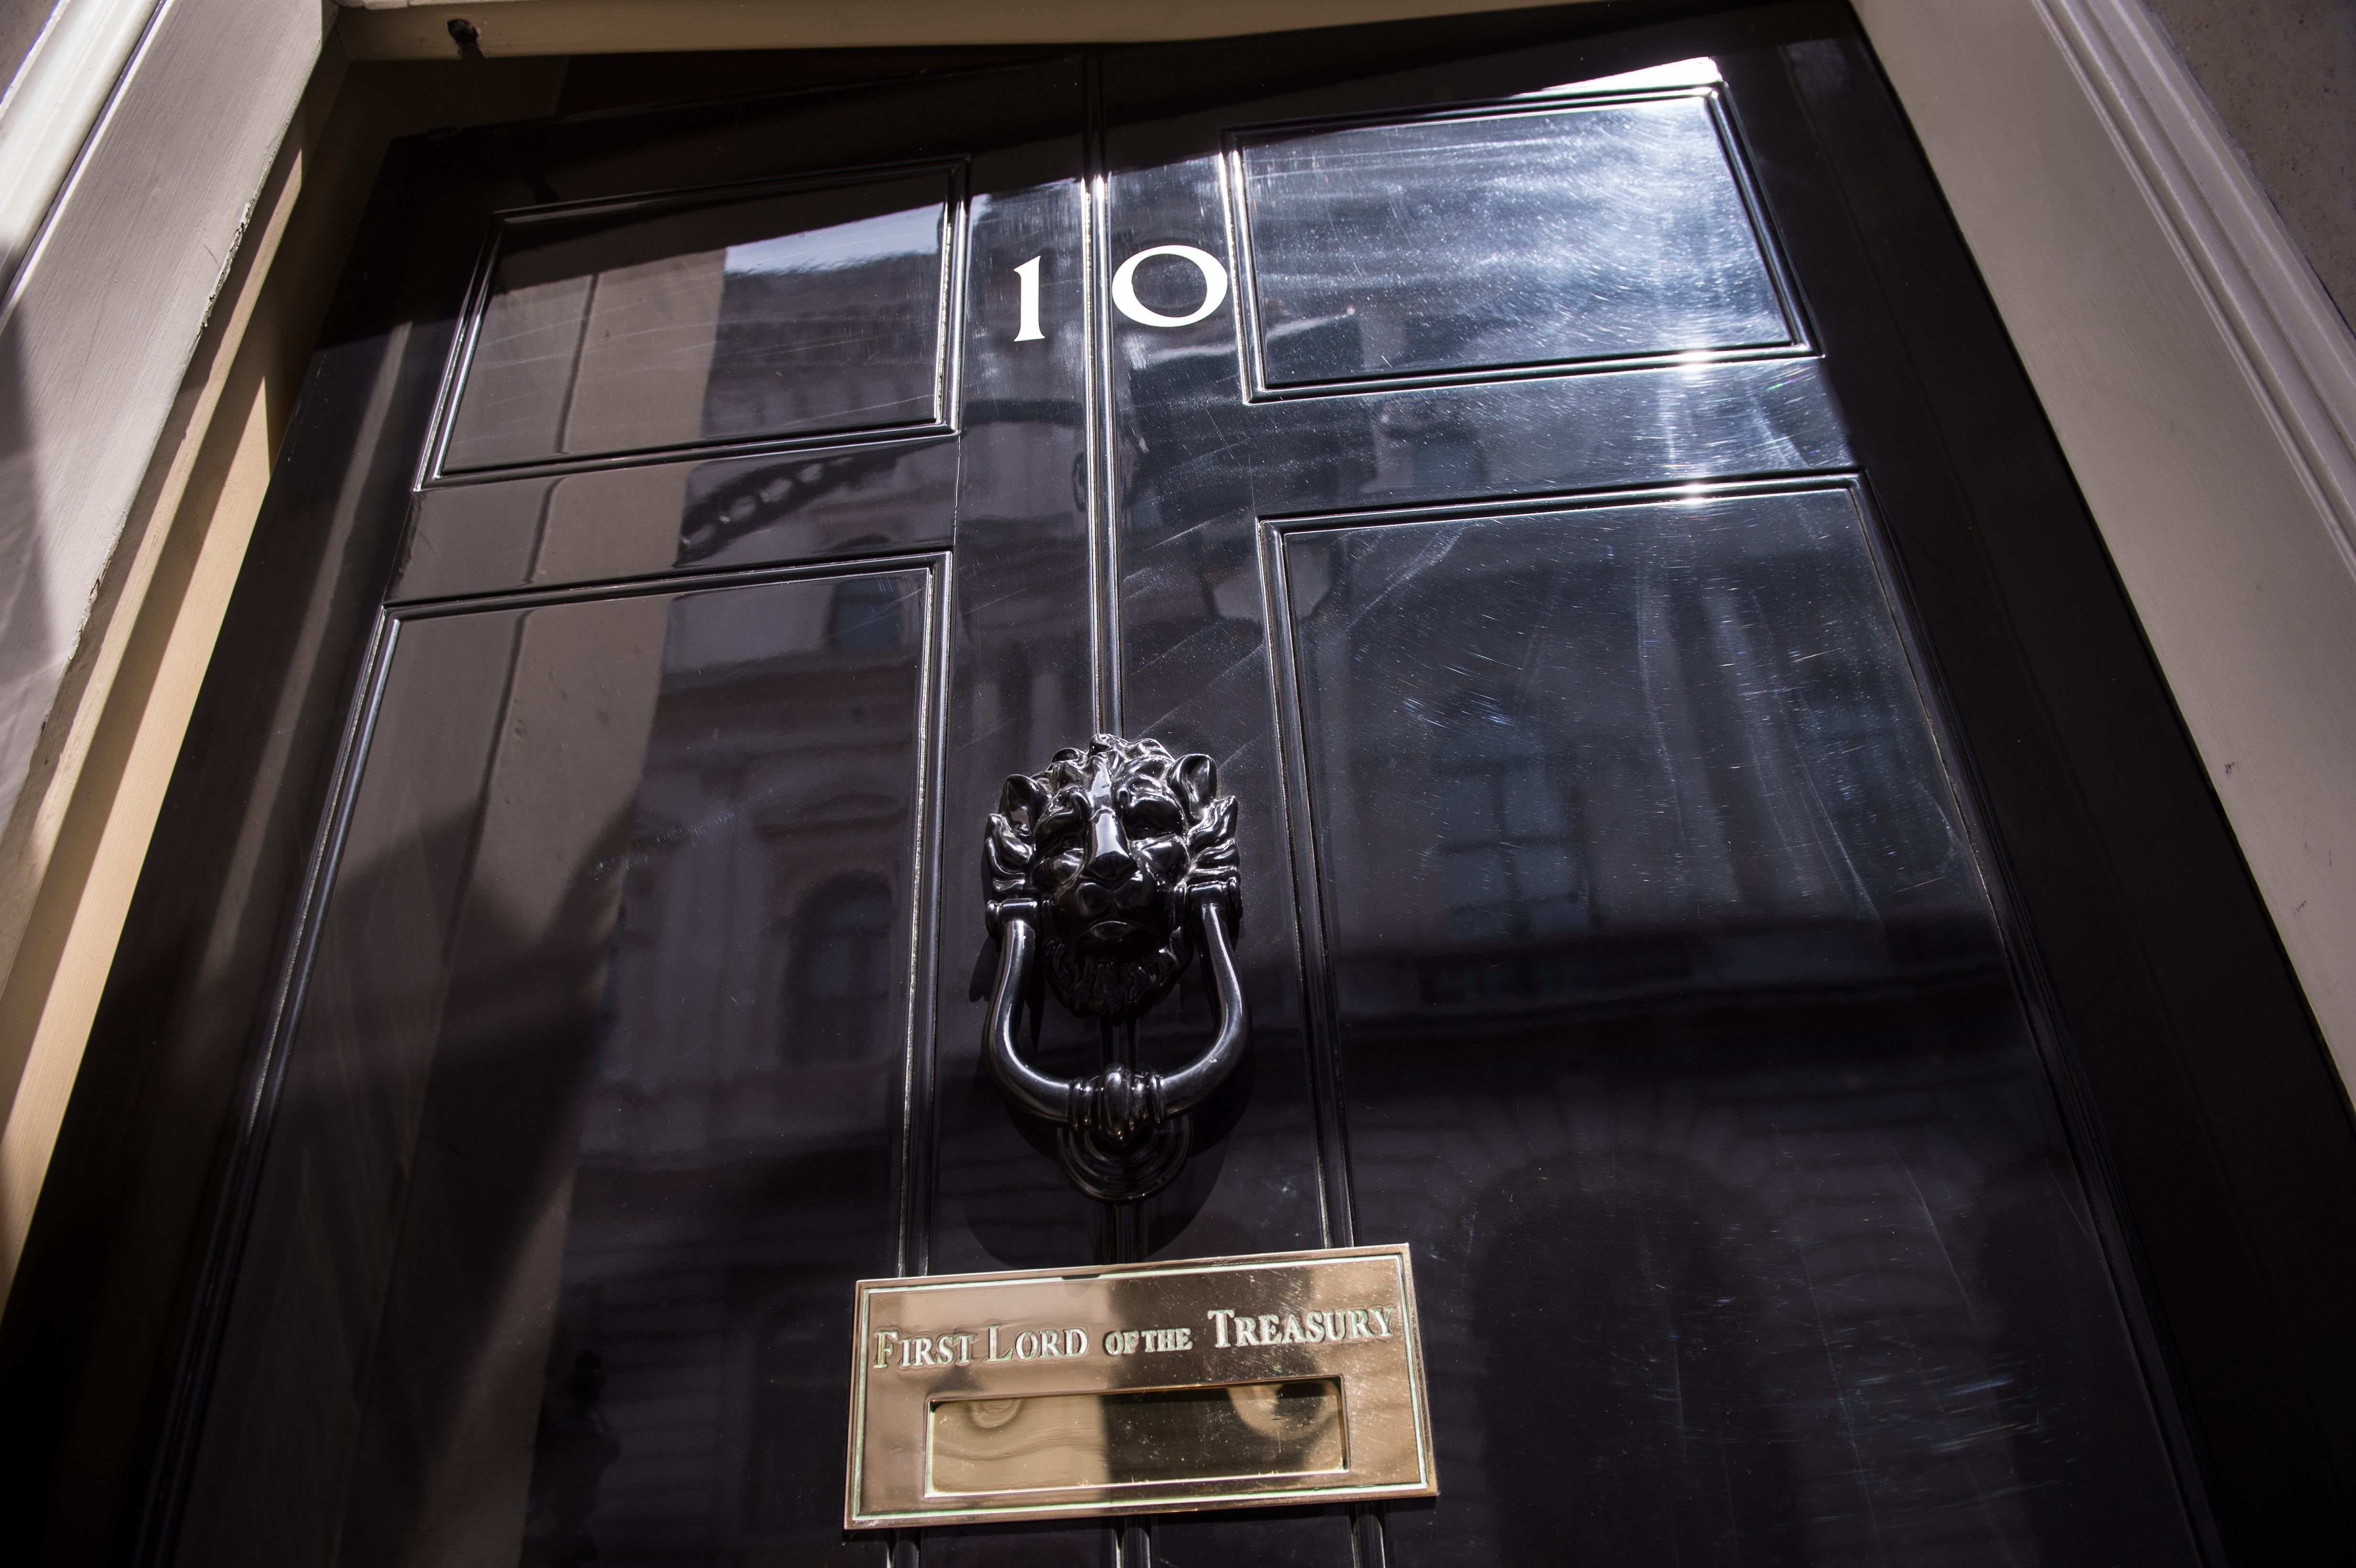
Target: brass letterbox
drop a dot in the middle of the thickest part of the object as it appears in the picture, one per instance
(1136, 1388)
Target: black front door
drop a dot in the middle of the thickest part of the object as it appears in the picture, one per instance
(1508, 465)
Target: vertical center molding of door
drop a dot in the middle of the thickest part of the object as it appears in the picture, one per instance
(1123, 1241)
(1020, 669)
(1104, 545)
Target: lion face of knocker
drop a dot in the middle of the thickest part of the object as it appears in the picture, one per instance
(1113, 845)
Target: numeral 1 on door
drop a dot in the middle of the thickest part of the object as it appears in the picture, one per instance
(1028, 331)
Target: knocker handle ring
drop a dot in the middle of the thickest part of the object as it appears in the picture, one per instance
(1110, 866)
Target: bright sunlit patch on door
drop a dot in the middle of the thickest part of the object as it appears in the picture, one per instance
(1589, 233)
(1699, 72)
(916, 232)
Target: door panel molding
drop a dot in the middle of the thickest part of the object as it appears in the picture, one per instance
(582, 224)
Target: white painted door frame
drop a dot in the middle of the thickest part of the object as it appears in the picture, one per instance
(2203, 388)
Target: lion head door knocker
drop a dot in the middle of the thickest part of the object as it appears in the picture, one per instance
(1115, 863)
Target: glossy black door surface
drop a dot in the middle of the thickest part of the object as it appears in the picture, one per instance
(1664, 1005)
(1495, 446)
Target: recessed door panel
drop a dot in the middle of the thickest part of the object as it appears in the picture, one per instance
(1612, 229)
(592, 1112)
(1675, 1032)
(645, 326)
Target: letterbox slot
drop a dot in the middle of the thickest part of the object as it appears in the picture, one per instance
(1136, 1436)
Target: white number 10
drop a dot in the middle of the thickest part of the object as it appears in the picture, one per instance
(1124, 290)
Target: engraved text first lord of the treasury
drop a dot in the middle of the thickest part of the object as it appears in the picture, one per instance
(993, 1342)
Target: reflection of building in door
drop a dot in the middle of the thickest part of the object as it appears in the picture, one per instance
(768, 316)
(1507, 860)
(862, 616)
(1631, 819)
(755, 1009)
(839, 999)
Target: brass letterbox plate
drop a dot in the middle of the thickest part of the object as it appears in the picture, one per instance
(1136, 1388)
